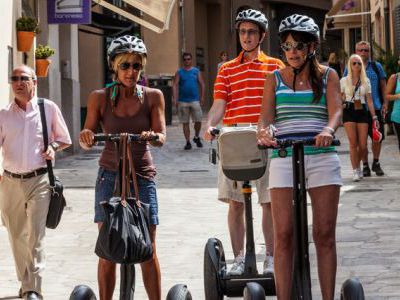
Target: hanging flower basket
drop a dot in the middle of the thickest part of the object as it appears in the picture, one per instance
(42, 67)
(25, 40)
(42, 54)
(26, 29)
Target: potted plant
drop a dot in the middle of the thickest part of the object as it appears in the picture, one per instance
(26, 29)
(42, 61)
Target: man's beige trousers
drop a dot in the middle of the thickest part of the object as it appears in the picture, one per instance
(24, 204)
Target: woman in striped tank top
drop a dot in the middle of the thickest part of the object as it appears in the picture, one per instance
(303, 101)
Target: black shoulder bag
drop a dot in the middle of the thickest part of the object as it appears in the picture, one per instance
(57, 200)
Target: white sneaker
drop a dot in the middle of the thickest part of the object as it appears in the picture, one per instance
(360, 173)
(237, 266)
(356, 176)
(268, 265)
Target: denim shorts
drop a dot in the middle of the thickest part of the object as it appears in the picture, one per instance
(104, 191)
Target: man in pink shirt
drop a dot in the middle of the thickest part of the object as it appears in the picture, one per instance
(24, 185)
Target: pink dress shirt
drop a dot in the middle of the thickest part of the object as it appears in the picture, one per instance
(21, 136)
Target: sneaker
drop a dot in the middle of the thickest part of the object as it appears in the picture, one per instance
(188, 146)
(197, 141)
(237, 266)
(360, 173)
(356, 176)
(376, 167)
(268, 265)
(366, 171)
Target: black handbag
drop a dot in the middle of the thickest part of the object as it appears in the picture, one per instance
(57, 200)
(124, 237)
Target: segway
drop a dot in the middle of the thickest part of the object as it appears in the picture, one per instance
(301, 289)
(217, 282)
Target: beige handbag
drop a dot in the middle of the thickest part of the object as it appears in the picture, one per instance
(239, 155)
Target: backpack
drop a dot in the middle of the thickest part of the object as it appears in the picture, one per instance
(375, 68)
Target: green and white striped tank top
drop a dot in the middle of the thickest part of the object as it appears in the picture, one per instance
(297, 117)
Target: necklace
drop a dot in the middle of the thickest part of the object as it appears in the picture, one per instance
(301, 82)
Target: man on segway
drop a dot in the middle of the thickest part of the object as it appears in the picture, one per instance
(238, 92)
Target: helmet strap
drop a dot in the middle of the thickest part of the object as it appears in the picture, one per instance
(297, 71)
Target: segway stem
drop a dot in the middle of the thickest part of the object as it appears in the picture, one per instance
(250, 265)
(301, 274)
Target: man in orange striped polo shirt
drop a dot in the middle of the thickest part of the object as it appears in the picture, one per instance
(238, 93)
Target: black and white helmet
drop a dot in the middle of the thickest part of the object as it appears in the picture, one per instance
(254, 16)
(299, 23)
(125, 44)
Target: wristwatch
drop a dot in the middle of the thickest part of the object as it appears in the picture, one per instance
(55, 146)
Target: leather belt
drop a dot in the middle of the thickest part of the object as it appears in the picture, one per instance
(35, 173)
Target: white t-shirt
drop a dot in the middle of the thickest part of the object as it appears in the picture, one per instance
(361, 93)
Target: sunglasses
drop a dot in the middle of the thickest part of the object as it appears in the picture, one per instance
(287, 46)
(355, 63)
(249, 32)
(125, 66)
(363, 50)
(187, 59)
(20, 78)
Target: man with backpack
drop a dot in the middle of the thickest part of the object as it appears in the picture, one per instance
(377, 77)
(238, 92)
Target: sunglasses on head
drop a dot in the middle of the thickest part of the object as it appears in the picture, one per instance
(363, 50)
(20, 78)
(125, 66)
(355, 63)
(287, 46)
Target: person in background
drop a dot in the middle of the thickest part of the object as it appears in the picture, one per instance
(334, 63)
(357, 105)
(393, 95)
(377, 78)
(189, 98)
(24, 185)
(223, 57)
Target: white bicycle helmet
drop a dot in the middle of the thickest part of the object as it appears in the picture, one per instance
(125, 44)
(299, 23)
(254, 16)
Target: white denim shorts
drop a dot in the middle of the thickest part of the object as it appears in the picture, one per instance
(229, 190)
(320, 170)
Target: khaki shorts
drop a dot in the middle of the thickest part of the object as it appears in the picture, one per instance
(320, 170)
(187, 109)
(228, 190)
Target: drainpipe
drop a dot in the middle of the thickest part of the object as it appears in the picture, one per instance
(182, 9)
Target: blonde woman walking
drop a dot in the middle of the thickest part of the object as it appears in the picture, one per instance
(356, 97)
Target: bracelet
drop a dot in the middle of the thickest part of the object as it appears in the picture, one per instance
(330, 130)
(55, 146)
(375, 117)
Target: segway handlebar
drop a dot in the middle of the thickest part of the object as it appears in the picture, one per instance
(283, 143)
(215, 132)
(102, 137)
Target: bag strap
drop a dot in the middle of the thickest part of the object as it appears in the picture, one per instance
(125, 185)
(46, 140)
(356, 89)
(133, 173)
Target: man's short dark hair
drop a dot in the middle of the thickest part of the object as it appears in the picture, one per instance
(187, 54)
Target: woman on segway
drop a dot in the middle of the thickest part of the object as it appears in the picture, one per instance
(303, 101)
(126, 107)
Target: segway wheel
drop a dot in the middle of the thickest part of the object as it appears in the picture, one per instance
(253, 291)
(82, 292)
(352, 290)
(214, 267)
(179, 292)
